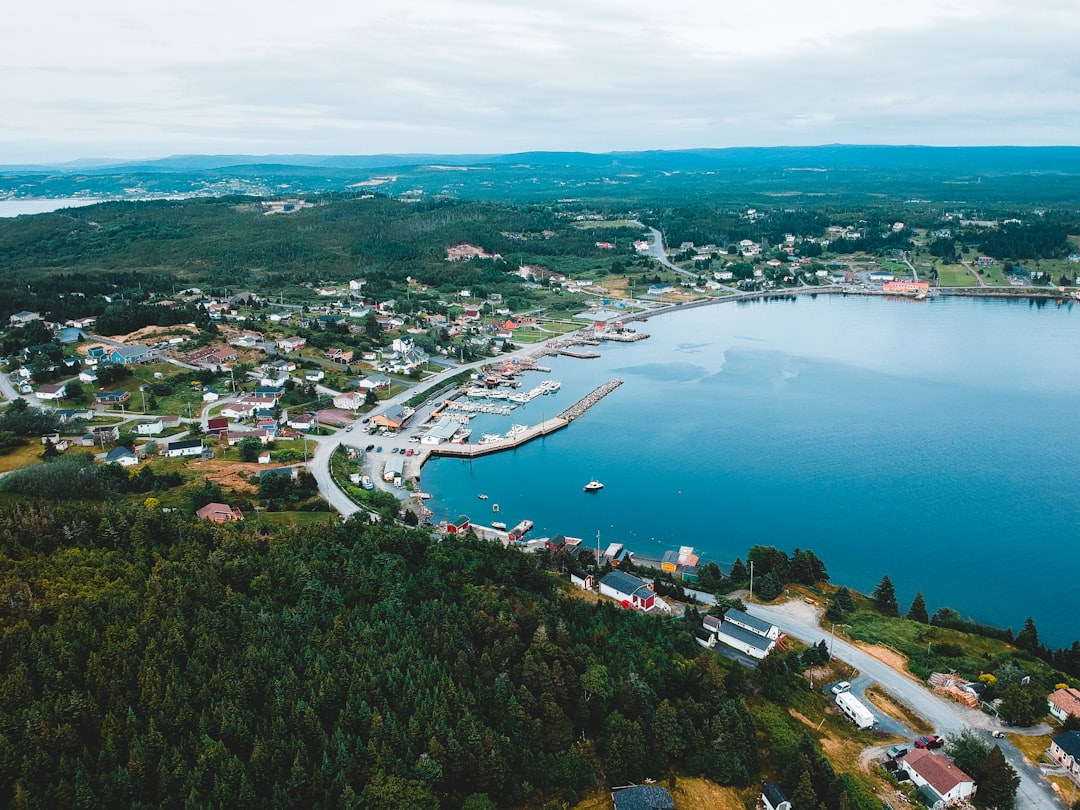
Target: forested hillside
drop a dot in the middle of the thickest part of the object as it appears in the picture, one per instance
(151, 661)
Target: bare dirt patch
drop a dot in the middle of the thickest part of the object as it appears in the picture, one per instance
(890, 658)
(897, 709)
(228, 474)
(148, 332)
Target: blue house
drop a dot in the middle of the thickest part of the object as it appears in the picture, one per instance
(126, 355)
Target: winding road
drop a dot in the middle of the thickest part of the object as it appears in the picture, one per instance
(798, 619)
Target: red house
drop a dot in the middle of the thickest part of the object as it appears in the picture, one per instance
(459, 526)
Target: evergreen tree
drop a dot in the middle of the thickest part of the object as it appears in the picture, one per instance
(917, 612)
(738, 571)
(885, 597)
(769, 586)
(997, 782)
(844, 600)
(1028, 638)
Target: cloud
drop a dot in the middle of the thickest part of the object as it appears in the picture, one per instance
(122, 77)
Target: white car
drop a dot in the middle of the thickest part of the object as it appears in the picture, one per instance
(843, 686)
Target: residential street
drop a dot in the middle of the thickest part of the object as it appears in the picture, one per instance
(798, 619)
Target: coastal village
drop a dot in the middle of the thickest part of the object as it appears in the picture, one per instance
(270, 391)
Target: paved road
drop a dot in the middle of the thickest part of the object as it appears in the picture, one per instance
(801, 620)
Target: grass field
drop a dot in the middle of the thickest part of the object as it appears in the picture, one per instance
(21, 456)
(955, 275)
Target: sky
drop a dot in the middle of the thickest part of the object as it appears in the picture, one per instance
(132, 79)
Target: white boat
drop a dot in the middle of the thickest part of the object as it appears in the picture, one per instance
(490, 438)
(516, 430)
(498, 524)
(482, 497)
(521, 398)
(594, 486)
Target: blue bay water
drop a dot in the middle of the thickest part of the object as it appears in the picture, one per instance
(936, 442)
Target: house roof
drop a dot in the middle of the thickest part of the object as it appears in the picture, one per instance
(218, 511)
(184, 444)
(743, 635)
(118, 453)
(643, 797)
(773, 794)
(1068, 700)
(742, 617)
(940, 773)
(622, 582)
(1069, 742)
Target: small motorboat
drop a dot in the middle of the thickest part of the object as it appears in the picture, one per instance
(482, 497)
(594, 486)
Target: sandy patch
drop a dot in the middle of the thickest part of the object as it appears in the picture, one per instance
(890, 658)
(145, 334)
(228, 474)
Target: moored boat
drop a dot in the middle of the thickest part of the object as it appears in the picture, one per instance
(594, 486)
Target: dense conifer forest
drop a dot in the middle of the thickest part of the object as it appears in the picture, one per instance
(149, 660)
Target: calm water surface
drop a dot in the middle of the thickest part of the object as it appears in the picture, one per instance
(934, 441)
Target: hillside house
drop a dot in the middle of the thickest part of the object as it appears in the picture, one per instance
(121, 456)
(1064, 703)
(773, 798)
(1065, 749)
(581, 579)
(219, 513)
(50, 391)
(938, 779)
(629, 591)
(128, 355)
(746, 633)
(458, 526)
(188, 447)
(112, 397)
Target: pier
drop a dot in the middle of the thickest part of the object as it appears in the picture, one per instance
(531, 432)
(578, 355)
(582, 405)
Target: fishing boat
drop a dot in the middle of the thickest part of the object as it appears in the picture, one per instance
(498, 524)
(594, 486)
(482, 497)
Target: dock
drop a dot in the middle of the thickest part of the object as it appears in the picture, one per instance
(579, 355)
(586, 402)
(531, 432)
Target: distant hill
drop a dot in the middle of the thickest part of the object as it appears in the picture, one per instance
(977, 175)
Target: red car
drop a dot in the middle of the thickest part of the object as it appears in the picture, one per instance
(930, 741)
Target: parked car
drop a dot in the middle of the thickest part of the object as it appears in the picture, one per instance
(843, 686)
(378, 449)
(409, 452)
(896, 751)
(369, 448)
(367, 419)
(929, 741)
(348, 428)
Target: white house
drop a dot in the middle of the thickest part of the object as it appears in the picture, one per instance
(1065, 749)
(629, 591)
(121, 456)
(50, 391)
(1064, 702)
(189, 447)
(88, 376)
(149, 427)
(747, 634)
(291, 344)
(581, 579)
(351, 401)
(773, 798)
(752, 623)
(945, 781)
(314, 375)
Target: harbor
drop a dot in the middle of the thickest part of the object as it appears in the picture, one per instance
(521, 434)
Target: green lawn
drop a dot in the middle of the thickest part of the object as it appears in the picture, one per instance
(955, 275)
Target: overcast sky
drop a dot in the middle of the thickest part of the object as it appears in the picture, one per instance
(131, 78)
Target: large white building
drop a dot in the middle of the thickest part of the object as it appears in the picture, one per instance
(743, 632)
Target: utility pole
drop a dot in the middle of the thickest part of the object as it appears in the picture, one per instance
(831, 640)
(751, 578)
